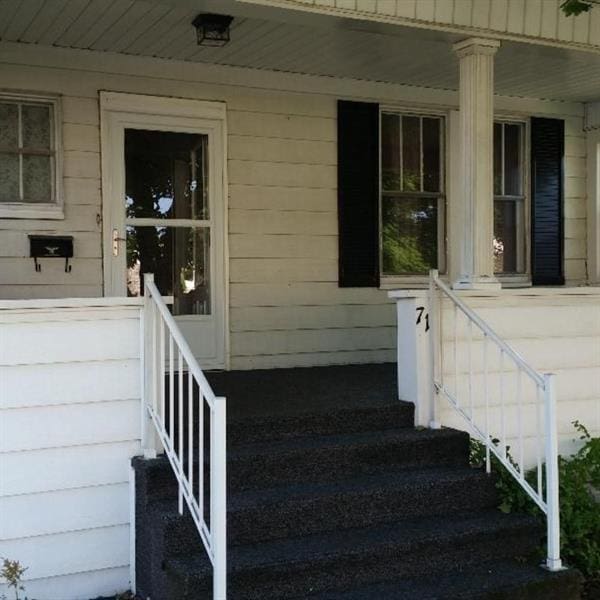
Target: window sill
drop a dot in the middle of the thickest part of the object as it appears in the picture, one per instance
(31, 211)
(411, 282)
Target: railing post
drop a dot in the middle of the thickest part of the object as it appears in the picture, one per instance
(434, 341)
(553, 561)
(149, 438)
(218, 498)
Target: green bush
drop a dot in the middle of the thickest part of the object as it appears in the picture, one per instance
(579, 477)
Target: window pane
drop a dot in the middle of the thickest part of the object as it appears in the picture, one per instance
(36, 126)
(411, 154)
(9, 122)
(9, 178)
(505, 236)
(390, 152)
(497, 159)
(166, 175)
(179, 259)
(37, 178)
(410, 235)
(431, 155)
(512, 160)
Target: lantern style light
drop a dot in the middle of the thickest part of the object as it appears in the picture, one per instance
(212, 30)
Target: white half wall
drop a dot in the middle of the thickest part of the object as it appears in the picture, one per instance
(555, 331)
(69, 425)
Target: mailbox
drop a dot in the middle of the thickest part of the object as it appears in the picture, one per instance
(51, 246)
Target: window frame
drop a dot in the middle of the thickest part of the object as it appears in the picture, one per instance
(518, 279)
(419, 279)
(41, 210)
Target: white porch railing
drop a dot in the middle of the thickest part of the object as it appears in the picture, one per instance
(466, 339)
(178, 425)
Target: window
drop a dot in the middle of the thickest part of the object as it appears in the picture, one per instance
(412, 194)
(509, 198)
(28, 158)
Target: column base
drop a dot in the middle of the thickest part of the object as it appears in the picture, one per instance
(490, 284)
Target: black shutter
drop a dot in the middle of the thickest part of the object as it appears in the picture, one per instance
(358, 194)
(547, 152)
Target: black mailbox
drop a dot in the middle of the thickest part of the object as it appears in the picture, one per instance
(51, 246)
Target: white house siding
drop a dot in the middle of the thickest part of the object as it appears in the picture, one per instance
(69, 423)
(555, 333)
(542, 20)
(286, 308)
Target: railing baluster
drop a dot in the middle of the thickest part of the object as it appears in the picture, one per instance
(486, 397)
(455, 359)
(171, 393)
(538, 444)
(161, 371)
(201, 455)
(519, 412)
(180, 432)
(502, 407)
(190, 404)
(470, 355)
(154, 359)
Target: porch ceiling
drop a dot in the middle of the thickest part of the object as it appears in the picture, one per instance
(283, 41)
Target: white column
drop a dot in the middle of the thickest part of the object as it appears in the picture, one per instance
(593, 201)
(472, 243)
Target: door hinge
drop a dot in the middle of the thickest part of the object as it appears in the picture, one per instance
(115, 241)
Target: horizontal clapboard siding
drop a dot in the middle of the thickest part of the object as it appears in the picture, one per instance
(282, 218)
(69, 425)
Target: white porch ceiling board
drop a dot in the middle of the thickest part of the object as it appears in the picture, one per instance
(79, 27)
(57, 25)
(133, 33)
(21, 18)
(39, 24)
(111, 15)
(159, 30)
(110, 38)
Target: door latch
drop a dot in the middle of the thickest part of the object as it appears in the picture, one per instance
(115, 241)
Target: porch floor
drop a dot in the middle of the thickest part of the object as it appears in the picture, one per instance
(288, 392)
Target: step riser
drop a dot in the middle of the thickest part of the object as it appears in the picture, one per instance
(324, 464)
(356, 510)
(298, 579)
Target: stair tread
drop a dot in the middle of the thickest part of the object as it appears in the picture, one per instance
(349, 440)
(402, 536)
(507, 579)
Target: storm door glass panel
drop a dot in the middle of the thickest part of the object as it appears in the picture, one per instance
(167, 217)
(166, 175)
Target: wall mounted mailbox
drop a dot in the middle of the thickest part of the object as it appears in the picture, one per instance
(51, 246)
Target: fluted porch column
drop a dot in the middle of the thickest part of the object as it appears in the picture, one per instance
(474, 207)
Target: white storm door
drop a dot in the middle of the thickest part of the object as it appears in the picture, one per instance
(164, 211)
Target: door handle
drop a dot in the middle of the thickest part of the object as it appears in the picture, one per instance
(115, 241)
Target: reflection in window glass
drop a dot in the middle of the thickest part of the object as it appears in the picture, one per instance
(166, 175)
(179, 257)
(509, 203)
(412, 202)
(409, 235)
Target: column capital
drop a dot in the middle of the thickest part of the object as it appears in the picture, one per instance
(476, 45)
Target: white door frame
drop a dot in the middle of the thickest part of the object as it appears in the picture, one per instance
(119, 111)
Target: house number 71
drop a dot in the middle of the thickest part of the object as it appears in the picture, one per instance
(420, 311)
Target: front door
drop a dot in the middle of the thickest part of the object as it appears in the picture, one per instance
(165, 205)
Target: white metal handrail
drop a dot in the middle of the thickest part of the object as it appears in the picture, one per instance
(170, 422)
(448, 385)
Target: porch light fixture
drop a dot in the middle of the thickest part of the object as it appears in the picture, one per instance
(212, 30)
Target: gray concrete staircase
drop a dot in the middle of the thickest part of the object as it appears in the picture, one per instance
(340, 497)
